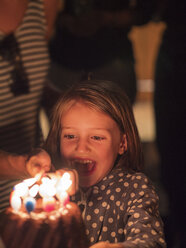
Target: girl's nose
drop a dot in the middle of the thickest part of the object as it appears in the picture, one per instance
(82, 146)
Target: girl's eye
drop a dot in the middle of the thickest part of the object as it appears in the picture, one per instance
(69, 136)
(97, 138)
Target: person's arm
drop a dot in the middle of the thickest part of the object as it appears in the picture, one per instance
(23, 166)
(51, 10)
(12, 166)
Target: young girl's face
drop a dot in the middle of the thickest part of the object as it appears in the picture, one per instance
(90, 142)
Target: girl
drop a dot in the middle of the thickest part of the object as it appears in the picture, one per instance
(93, 131)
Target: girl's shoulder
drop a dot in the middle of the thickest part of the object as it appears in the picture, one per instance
(132, 186)
(120, 180)
(132, 179)
(131, 175)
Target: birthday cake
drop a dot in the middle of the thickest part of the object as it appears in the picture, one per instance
(42, 218)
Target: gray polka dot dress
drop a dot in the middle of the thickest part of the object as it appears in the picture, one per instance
(123, 207)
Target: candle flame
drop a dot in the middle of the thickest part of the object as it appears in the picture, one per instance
(47, 189)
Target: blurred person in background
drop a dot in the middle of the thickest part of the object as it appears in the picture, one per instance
(91, 41)
(25, 27)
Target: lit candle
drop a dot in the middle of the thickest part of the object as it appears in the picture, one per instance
(34, 190)
(64, 183)
(21, 189)
(49, 203)
(47, 188)
(15, 201)
(30, 181)
(61, 188)
(63, 198)
(29, 203)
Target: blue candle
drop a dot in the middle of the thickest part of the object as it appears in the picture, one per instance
(30, 203)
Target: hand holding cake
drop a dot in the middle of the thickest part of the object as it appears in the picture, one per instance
(38, 161)
(14, 166)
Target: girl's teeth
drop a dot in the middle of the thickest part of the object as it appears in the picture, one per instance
(83, 161)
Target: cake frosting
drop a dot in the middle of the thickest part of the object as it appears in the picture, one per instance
(59, 228)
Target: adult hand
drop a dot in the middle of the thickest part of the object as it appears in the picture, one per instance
(38, 161)
(107, 245)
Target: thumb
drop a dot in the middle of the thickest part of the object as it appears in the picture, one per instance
(38, 162)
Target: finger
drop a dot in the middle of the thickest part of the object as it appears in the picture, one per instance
(38, 162)
(43, 159)
(33, 168)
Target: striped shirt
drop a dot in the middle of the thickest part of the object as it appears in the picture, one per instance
(19, 128)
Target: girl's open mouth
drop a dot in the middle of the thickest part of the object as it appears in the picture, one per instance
(84, 167)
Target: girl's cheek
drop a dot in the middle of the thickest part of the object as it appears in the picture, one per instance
(66, 150)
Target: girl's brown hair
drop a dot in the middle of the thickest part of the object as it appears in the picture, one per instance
(106, 97)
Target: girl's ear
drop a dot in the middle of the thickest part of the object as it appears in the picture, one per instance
(123, 144)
